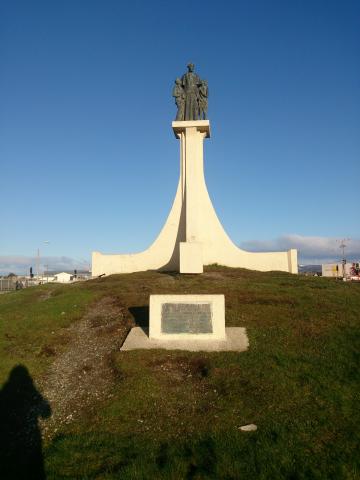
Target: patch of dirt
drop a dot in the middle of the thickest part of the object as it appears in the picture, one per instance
(166, 280)
(215, 275)
(48, 351)
(45, 296)
(180, 368)
(83, 374)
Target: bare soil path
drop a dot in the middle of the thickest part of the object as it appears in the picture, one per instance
(83, 374)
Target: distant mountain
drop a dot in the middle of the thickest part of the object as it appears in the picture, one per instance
(310, 269)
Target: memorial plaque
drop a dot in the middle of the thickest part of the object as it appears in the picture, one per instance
(186, 318)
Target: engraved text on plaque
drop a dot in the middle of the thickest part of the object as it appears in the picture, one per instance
(186, 318)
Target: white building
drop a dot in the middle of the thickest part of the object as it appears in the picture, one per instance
(336, 269)
(63, 277)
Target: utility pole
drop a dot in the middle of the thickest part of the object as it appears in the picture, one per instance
(38, 263)
(46, 242)
(343, 246)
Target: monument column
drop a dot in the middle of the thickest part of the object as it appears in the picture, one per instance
(191, 135)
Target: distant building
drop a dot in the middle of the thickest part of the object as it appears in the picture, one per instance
(340, 270)
(63, 277)
(332, 270)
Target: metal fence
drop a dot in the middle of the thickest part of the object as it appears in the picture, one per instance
(8, 284)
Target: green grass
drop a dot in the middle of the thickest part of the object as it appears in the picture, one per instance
(176, 415)
(30, 322)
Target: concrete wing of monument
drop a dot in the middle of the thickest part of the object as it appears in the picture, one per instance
(192, 235)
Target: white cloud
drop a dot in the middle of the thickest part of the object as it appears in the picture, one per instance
(21, 264)
(310, 249)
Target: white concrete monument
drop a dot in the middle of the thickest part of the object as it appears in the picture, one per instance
(192, 235)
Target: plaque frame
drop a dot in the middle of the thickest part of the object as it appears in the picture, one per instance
(217, 309)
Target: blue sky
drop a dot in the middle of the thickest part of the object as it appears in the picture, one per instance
(88, 157)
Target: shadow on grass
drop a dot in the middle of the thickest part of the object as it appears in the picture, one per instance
(141, 317)
(200, 458)
(21, 405)
(113, 456)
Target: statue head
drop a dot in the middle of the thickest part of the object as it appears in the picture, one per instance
(178, 81)
(190, 67)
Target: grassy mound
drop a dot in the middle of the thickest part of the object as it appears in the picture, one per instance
(176, 415)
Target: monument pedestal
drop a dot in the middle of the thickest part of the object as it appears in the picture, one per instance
(192, 235)
(191, 260)
(191, 135)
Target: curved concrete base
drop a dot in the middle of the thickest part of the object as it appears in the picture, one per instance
(192, 227)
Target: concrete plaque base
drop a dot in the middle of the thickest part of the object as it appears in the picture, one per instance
(236, 341)
(187, 322)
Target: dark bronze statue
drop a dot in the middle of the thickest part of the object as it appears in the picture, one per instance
(203, 100)
(179, 94)
(191, 96)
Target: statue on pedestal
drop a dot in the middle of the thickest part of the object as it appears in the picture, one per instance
(179, 95)
(203, 100)
(191, 96)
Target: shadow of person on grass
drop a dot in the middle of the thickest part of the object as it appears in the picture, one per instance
(21, 405)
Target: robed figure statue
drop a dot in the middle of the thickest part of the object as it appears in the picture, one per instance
(179, 95)
(191, 96)
(203, 100)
